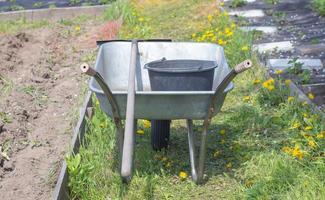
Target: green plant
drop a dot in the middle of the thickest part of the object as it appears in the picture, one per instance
(38, 4)
(52, 5)
(74, 2)
(315, 41)
(296, 68)
(5, 86)
(15, 8)
(279, 16)
(37, 94)
(319, 6)
(272, 1)
(237, 3)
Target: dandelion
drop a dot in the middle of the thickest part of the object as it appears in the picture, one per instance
(229, 165)
(210, 18)
(222, 131)
(193, 35)
(256, 81)
(305, 115)
(311, 96)
(233, 25)
(296, 152)
(229, 34)
(308, 128)
(295, 125)
(141, 19)
(244, 48)
(140, 132)
(286, 150)
(146, 123)
(287, 82)
(97, 103)
(305, 103)
(278, 71)
(320, 135)
(182, 175)
(77, 28)
(221, 42)
(312, 144)
(269, 84)
(216, 154)
(246, 98)
(290, 99)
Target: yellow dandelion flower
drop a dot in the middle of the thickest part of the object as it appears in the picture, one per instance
(286, 150)
(308, 128)
(287, 82)
(141, 19)
(305, 103)
(146, 123)
(210, 18)
(278, 71)
(311, 96)
(295, 125)
(296, 152)
(256, 81)
(221, 42)
(182, 175)
(193, 35)
(229, 34)
(233, 25)
(270, 88)
(140, 132)
(312, 144)
(216, 154)
(77, 28)
(269, 84)
(291, 99)
(320, 135)
(97, 103)
(222, 131)
(246, 98)
(244, 48)
(305, 115)
(229, 165)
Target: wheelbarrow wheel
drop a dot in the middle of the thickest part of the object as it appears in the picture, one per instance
(160, 131)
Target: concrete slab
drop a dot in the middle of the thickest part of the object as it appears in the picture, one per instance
(283, 64)
(279, 46)
(54, 13)
(248, 13)
(311, 49)
(264, 29)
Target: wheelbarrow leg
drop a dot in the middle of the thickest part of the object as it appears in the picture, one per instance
(197, 169)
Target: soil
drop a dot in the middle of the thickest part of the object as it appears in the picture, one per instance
(42, 69)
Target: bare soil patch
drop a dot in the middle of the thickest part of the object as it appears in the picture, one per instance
(40, 87)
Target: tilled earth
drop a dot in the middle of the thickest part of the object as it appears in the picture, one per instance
(40, 86)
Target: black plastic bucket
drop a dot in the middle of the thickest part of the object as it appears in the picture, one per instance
(181, 75)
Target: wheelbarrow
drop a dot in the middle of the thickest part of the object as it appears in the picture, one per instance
(122, 86)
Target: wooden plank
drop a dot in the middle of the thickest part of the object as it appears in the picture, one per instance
(61, 191)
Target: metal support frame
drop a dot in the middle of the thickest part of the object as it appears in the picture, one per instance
(197, 167)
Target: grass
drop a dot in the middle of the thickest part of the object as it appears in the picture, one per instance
(11, 26)
(263, 145)
(319, 6)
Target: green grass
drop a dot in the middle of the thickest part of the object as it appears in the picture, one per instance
(12, 26)
(319, 6)
(245, 156)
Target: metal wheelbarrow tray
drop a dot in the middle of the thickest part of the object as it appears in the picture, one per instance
(113, 63)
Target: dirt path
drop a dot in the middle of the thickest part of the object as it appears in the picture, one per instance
(40, 90)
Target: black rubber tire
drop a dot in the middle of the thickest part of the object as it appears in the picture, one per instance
(160, 131)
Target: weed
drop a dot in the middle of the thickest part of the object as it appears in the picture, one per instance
(38, 4)
(315, 41)
(319, 6)
(10, 26)
(5, 86)
(237, 3)
(38, 96)
(52, 5)
(74, 2)
(272, 1)
(296, 68)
